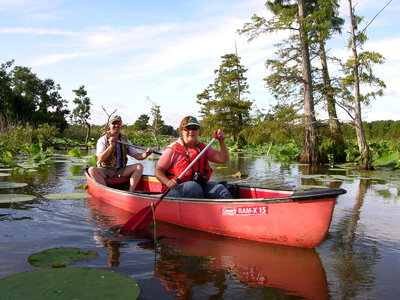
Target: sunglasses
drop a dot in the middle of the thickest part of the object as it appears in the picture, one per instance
(192, 128)
(117, 123)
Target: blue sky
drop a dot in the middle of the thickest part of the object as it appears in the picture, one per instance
(126, 51)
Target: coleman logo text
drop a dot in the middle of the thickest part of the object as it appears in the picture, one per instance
(246, 210)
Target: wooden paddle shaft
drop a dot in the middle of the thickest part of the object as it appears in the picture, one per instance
(141, 148)
(196, 159)
(143, 217)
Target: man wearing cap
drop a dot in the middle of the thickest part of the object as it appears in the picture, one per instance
(112, 157)
(178, 156)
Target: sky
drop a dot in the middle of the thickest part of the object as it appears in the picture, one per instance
(131, 54)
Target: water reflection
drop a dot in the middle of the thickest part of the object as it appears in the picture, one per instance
(356, 254)
(186, 259)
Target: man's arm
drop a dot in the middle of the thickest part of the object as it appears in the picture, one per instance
(141, 156)
(107, 151)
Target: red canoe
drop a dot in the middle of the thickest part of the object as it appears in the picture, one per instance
(294, 271)
(298, 218)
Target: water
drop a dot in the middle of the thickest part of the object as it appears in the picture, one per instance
(358, 259)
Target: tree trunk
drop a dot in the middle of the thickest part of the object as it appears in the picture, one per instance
(310, 153)
(154, 133)
(334, 125)
(365, 153)
(87, 136)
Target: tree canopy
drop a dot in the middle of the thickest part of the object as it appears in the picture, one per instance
(28, 99)
(222, 102)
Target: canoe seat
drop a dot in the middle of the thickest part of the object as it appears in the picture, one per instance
(117, 180)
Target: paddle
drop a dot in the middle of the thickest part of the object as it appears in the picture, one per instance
(138, 147)
(144, 216)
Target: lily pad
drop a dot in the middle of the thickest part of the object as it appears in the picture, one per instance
(67, 196)
(59, 257)
(313, 187)
(75, 177)
(327, 179)
(59, 161)
(341, 177)
(308, 176)
(9, 198)
(384, 193)
(69, 283)
(12, 185)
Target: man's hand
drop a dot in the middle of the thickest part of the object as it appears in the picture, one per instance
(148, 152)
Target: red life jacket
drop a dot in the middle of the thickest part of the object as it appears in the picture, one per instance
(188, 155)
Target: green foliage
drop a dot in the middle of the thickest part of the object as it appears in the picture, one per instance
(69, 283)
(142, 123)
(352, 152)
(39, 158)
(18, 135)
(81, 113)
(279, 126)
(28, 99)
(75, 152)
(390, 159)
(287, 152)
(222, 103)
(5, 155)
(92, 161)
(59, 257)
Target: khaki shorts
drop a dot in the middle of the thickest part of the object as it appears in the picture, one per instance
(112, 172)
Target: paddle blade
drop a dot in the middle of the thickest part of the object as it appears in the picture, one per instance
(138, 221)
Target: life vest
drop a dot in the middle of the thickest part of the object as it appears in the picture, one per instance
(188, 155)
(111, 161)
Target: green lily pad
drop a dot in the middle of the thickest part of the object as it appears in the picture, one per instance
(59, 257)
(327, 179)
(74, 177)
(75, 152)
(9, 198)
(341, 177)
(12, 185)
(308, 176)
(59, 161)
(313, 187)
(69, 283)
(5, 174)
(384, 193)
(67, 196)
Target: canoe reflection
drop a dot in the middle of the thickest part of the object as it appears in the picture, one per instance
(296, 271)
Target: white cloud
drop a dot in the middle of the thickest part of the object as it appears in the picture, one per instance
(56, 58)
(171, 61)
(35, 31)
